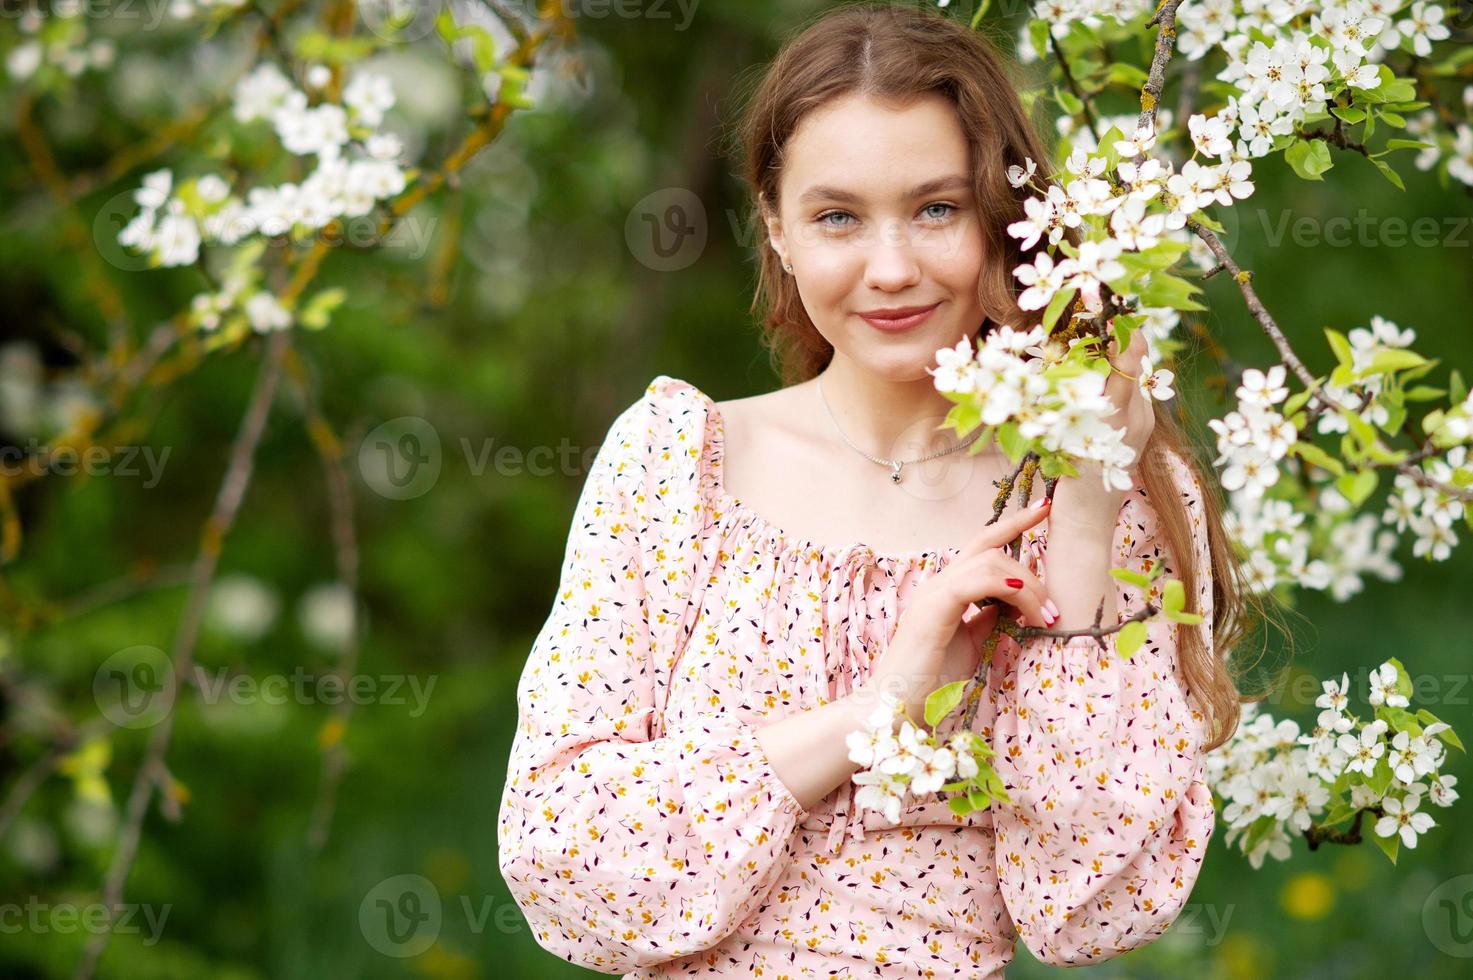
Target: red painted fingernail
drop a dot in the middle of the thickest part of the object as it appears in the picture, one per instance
(1014, 583)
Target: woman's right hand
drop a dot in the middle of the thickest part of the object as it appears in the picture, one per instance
(934, 645)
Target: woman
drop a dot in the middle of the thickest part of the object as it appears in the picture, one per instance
(679, 799)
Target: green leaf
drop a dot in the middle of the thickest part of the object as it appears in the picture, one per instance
(1424, 393)
(1176, 616)
(1011, 441)
(1206, 221)
(1164, 289)
(1356, 487)
(960, 805)
(1057, 305)
(1134, 578)
(1122, 332)
(1340, 346)
(1351, 114)
(1173, 596)
(1396, 414)
(1309, 158)
(1359, 428)
(1257, 832)
(1389, 172)
(1390, 89)
(1129, 639)
(1296, 401)
(1380, 778)
(1126, 74)
(1068, 100)
(1407, 145)
(1391, 360)
(1038, 29)
(1311, 453)
(1388, 845)
(1456, 386)
(940, 702)
(1400, 719)
(1340, 812)
(318, 311)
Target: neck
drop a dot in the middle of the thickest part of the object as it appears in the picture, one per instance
(883, 417)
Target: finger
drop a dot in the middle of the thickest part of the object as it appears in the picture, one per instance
(980, 619)
(1031, 597)
(1008, 527)
(1005, 579)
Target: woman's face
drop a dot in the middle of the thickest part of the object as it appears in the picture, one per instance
(876, 212)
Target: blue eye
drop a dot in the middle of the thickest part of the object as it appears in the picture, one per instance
(938, 204)
(822, 219)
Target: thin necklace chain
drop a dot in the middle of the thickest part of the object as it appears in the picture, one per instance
(894, 464)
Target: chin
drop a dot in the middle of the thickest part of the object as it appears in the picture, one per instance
(905, 361)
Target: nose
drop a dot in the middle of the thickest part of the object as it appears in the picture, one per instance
(890, 262)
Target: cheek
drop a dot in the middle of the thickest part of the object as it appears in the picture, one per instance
(956, 257)
(829, 272)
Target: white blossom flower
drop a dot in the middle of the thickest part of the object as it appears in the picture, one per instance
(1156, 384)
(1043, 278)
(259, 93)
(1421, 28)
(369, 95)
(1362, 752)
(1403, 817)
(1209, 136)
(880, 791)
(1383, 687)
(1018, 176)
(266, 313)
(1263, 389)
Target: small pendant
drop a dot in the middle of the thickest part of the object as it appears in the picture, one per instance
(895, 471)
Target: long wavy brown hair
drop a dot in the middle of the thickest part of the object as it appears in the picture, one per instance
(895, 53)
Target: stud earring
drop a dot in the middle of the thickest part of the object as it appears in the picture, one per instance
(787, 267)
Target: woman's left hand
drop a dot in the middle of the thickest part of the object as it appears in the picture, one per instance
(1084, 499)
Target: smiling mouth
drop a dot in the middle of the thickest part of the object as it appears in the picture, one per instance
(893, 324)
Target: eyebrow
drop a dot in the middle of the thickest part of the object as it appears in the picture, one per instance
(823, 192)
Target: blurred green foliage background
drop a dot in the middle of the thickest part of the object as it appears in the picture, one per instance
(528, 321)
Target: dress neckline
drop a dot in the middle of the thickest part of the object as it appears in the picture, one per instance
(729, 502)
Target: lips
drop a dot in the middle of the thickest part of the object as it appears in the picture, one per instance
(904, 318)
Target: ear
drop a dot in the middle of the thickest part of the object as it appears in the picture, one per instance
(774, 225)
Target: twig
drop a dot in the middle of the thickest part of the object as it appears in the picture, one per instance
(227, 504)
(1271, 328)
(345, 556)
(1317, 835)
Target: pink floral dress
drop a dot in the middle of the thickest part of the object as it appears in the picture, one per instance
(643, 830)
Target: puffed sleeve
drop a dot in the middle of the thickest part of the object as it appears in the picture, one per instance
(1102, 757)
(626, 845)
